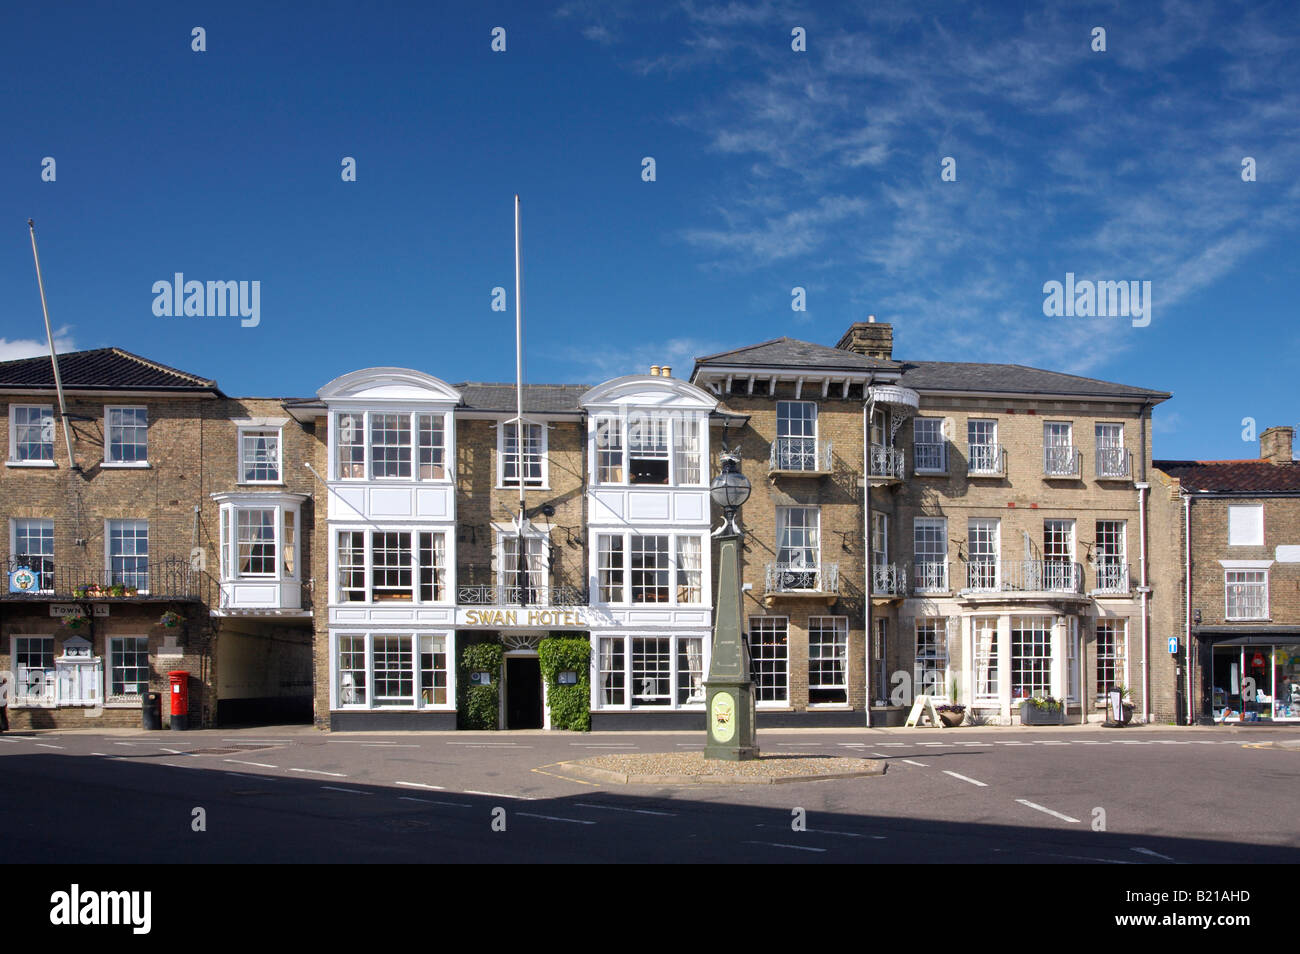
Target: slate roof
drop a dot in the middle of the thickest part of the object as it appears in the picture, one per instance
(1233, 476)
(1014, 378)
(103, 369)
(538, 398)
(924, 375)
(793, 353)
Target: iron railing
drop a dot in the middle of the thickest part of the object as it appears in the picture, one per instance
(785, 578)
(929, 575)
(1114, 462)
(888, 579)
(171, 579)
(1024, 576)
(886, 462)
(503, 595)
(1112, 578)
(986, 460)
(1062, 460)
(800, 454)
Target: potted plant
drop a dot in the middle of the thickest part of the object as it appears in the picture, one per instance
(952, 715)
(117, 589)
(1042, 710)
(170, 620)
(74, 622)
(1126, 707)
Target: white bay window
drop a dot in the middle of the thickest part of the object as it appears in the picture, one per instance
(393, 671)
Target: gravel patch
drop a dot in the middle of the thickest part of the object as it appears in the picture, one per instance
(692, 768)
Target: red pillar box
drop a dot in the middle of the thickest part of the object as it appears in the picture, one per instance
(180, 685)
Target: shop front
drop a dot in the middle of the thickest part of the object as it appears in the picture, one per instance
(1251, 678)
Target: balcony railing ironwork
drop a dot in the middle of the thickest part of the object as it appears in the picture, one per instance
(1114, 462)
(886, 462)
(1062, 460)
(1024, 576)
(1112, 578)
(785, 578)
(985, 460)
(929, 575)
(800, 454)
(888, 579)
(171, 579)
(508, 595)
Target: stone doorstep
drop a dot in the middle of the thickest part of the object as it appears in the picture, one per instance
(621, 778)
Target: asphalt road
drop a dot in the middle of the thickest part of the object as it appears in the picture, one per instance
(290, 794)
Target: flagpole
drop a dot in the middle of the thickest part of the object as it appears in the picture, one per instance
(54, 360)
(521, 554)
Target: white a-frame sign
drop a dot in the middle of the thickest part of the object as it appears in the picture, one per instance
(923, 708)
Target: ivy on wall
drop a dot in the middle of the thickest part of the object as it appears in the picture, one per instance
(478, 707)
(570, 705)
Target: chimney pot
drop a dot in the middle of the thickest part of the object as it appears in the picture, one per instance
(666, 371)
(1275, 445)
(654, 370)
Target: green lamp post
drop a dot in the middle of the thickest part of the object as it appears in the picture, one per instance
(729, 694)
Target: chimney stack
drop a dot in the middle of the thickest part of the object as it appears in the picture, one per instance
(871, 338)
(1275, 445)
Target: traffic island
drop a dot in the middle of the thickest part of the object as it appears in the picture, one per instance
(692, 768)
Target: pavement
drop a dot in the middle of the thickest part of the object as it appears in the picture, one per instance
(1062, 794)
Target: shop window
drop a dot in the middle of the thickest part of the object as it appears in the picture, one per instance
(1031, 657)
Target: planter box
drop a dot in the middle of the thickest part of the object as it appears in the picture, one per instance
(1032, 715)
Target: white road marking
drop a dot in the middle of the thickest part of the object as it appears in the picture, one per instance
(124, 743)
(879, 755)
(973, 781)
(1053, 742)
(572, 821)
(260, 741)
(524, 798)
(430, 801)
(590, 745)
(392, 745)
(260, 778)
(1047, 811)
(350, 791)
(96, 753)
(630, 811)
(1135, 742)
(892, 744)
(1174, 742)
(1095, 743)
(46, 745)
(777, 844)
(857, 744)
(436, 788)
(490, 743)
(177, 752)
(1154, 854)
(258, 764)
(319, 772)
(919, 764)
(828, 831)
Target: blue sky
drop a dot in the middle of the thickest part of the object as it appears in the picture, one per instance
(774, 169)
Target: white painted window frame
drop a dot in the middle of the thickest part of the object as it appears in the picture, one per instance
(13, 460)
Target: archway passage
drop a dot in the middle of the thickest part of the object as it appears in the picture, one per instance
(523, 692)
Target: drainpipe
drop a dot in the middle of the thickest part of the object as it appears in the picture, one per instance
(1187, 607)
(866, 536)
(1142, 487)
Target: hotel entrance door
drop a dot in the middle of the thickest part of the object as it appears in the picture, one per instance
(523, 692)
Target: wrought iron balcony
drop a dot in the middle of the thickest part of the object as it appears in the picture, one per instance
(886, 462)
(784, 578)
(1023, 576)
(929, 575)
(1114, 463)
(986, 460)
(1112, 579)
(500, 594)
(171, 579)
(1062, 460)
(888, 579)
(800, 455)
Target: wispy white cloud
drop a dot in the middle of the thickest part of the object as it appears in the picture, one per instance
(1116, 165)
(36, 348)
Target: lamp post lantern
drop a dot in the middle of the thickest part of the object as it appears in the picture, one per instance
(729, 694)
